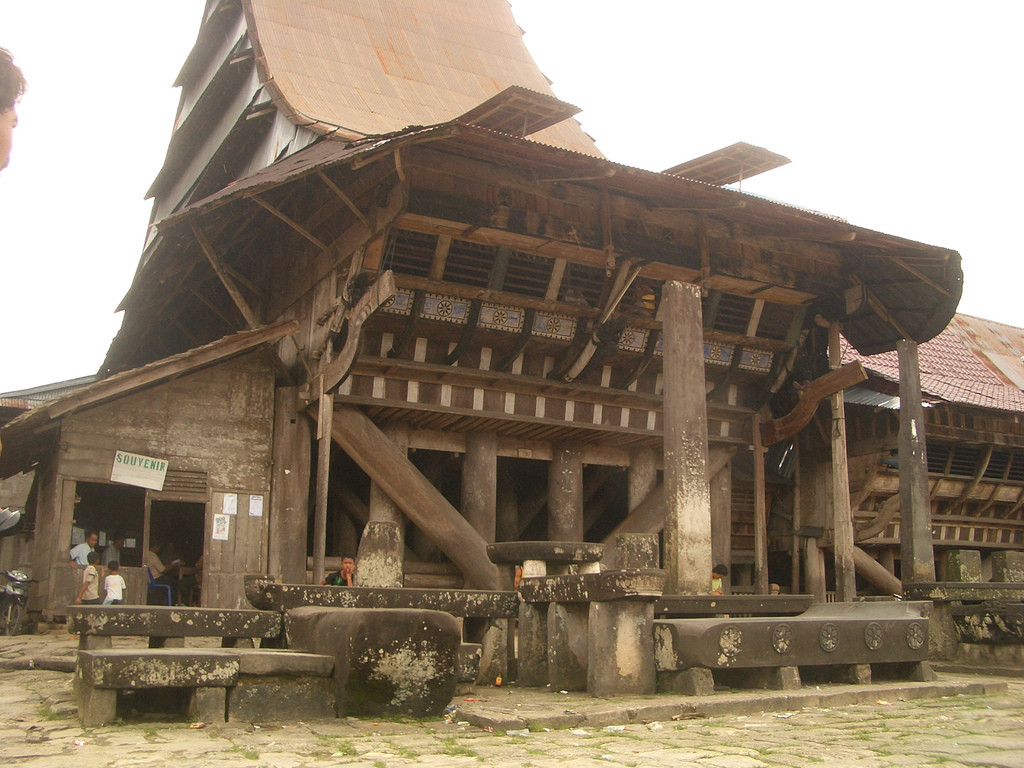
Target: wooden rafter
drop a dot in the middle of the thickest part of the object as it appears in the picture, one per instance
(289, 221)
(229, 284)
(344, 198)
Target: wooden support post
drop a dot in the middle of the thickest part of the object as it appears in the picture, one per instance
(565, 493)
(842, 515)
(323, 473)
(687, 533)
(642, 481)
(721, 521)
(760, 511)
(506, 523)
(643, 475)
(814, 569)
(480, 483)
(289, 494)
(794, 575)
(916, 555)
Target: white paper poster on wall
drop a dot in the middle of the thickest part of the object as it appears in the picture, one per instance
(221, 527)
(255, 506)
(230, 506)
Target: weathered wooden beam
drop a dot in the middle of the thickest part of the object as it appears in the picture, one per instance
(343, 197)
(289, 221)
(760, 509)
(229, 285)
(337, 368)
(875, 573)
(916, 553)
(170, 368)
(418, 499)
(784, 427)
(323, 474)
(842, 515)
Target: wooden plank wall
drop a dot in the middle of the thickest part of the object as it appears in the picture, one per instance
(218, 421)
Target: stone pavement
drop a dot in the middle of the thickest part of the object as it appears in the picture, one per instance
(958, 721)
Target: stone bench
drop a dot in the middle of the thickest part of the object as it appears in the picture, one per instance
(168, 626)
(266, 594)
(847, 637)
(220, 684)
(700, 606)
(387, 661)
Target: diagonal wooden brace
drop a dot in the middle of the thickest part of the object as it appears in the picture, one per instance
(777, 430)
(376, 296)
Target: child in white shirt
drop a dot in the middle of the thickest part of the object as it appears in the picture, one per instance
(114, 584)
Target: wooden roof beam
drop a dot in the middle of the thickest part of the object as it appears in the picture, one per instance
(289, 221)
(229, 284)
(344, 198)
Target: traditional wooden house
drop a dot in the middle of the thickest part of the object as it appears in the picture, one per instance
(972, 378)
(390, 279)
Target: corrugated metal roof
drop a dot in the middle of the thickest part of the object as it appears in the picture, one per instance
(955, 365)
(1002, 346)
(30, 398)
(367, 68)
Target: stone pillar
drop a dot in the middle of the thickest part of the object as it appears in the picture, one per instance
(568, 636)
(1008, 566)
(378, 564)
(963, 565)
(916, 555)
(381, 561)
(687, 532)
(721, 522)
(289, 494)
(532, 668)
(565, 494)
(620, 650)
(842, 514)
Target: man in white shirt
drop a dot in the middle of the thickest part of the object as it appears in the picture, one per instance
(80, 552)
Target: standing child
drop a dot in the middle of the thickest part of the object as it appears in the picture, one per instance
(114, 584)
(89, 594)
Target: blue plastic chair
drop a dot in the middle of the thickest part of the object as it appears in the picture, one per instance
(166, 590)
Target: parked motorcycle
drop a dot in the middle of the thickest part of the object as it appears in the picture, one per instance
(14, 600)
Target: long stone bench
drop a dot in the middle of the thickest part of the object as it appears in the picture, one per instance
(847, 637)
(168, 626)
(266, 594)
(220, 684)
(701, 606)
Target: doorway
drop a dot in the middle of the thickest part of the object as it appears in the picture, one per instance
(180, 527)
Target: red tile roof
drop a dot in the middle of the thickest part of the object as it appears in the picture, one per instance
(972, 362)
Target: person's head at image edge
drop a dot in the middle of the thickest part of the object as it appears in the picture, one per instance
(12, 86)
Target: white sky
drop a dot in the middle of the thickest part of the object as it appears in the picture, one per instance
(904, 117)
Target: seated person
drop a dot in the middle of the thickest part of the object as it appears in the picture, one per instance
(719, 572)
(343, 576)
(163, 574)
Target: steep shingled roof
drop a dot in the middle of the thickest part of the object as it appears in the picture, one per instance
(368, 68)
(961, 365)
